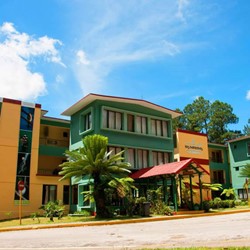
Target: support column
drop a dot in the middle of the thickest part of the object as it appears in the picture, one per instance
(201, 198)
(173, 180)
(191, 192)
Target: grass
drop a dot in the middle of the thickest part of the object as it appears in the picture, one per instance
(44, 220)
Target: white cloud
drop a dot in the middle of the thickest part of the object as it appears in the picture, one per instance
(17, 50)
(181, 8)
(248, 95)
(81, 56)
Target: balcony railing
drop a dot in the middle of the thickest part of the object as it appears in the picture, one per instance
(48, 172)
(54, 142)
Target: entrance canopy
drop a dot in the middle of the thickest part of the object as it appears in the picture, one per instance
(185, 167)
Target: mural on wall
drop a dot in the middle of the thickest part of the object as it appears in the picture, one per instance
(24, 153)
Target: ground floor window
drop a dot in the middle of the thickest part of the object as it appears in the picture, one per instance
(49, 193)
(66, 194)
(74, 192)
(218, 176)
(242, 193)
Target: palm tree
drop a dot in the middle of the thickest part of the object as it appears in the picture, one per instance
(93, 161)
(245, 171)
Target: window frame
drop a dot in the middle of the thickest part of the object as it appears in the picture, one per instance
(46, 200)
(86, 116)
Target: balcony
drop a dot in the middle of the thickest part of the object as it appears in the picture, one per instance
(54, 142)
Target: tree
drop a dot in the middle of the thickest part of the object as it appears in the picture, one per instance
(245, 172)
(209, 118)
(221, 114)
(93, 161)
(197, 115)
(246, 129)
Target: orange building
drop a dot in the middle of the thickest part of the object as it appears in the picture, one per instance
(29, 160)
(193, 145)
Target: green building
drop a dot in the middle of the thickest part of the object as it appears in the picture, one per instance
(219, 166)
(239, 155)
(141, 128)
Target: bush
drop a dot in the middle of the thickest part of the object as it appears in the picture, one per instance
(206, 206)
(53, 209)
(160, 208)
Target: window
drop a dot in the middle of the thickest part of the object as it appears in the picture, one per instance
(49, 193)
(131, 123)
(74, 199)
(160, 158)
(112, 119)
(218, 176)
(248, 148)
(217, 156)
(131, 157)
(242, 193)
(65, 134)
(115, 150)
(66, 194)
(159, 127)
(141, 124)
(142, 158)
(237, 169)
(85, 121)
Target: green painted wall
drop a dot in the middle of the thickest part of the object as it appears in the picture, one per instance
(122, 137)
(221, 166)
(238, 159)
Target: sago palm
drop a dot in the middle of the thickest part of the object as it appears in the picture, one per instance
(93, 161)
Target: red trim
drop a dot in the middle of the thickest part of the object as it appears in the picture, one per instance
(38, 105)
(200, 161)
(190, 132)
(12, 101)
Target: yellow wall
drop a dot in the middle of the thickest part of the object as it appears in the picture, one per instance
(9, 141)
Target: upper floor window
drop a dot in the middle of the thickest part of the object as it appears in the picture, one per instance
(131, 123)
(112, 119)
(141, 124)
(248, 148)
(86, 121)
(217, 156)
(159, 127)
(160, 158)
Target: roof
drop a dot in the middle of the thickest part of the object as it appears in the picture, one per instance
(169, 169)
(92, 97)
(240, 138)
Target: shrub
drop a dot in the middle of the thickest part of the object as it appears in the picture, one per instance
(160, 208)
(53, 209)
(206, 206)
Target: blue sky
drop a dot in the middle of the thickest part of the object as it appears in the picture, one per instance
(169, 52)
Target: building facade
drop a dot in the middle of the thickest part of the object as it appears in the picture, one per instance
(29, 158)
(140, 128)
(239, 155)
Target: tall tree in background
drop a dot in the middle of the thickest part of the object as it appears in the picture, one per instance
(221, 114)
(197, 115)
(210, 118)
(246, 129)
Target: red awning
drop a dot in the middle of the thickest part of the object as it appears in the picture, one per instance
(168, 169)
